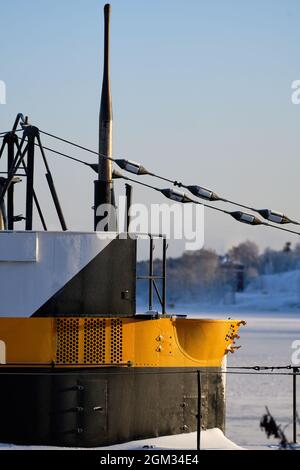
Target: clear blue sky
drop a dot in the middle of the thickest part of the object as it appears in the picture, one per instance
(201, 92)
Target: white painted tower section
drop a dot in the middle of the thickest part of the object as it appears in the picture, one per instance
(36, 265)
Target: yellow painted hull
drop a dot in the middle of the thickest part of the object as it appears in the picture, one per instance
(98, 341)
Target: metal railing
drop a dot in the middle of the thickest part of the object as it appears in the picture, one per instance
(292, 371)
(152, 277)
(259, 370)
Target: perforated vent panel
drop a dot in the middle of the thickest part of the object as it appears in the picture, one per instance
(67, 349)
(116, 342)
(89, 341)
(94, 341)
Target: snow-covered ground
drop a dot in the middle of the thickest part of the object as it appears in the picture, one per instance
(273, 292)
(266, 293)
(212, 439)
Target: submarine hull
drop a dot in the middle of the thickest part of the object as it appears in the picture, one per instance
(90, 408)
(97, 381)
(79, 367)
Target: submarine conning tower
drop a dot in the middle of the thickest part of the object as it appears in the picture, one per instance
(78, 365)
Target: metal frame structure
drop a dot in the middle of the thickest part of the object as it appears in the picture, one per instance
(25, 152)
(152, 278)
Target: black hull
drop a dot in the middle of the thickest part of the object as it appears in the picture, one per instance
(100, 407)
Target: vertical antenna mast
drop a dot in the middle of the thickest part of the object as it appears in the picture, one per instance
(104, 184)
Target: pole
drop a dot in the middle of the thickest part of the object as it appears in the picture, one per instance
(31, 134)
(56, 201)
(295, 372)
(52, 187)
(11, 140)
(103, 187)
(198, 410)
(151, 274)
(128, 205)
(3, 220)
(17, 162)
(37, 204)
(164, 282)
(19, 118)
(2, 147)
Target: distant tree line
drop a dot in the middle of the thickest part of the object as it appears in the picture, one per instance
(201, 274)
(269, 262)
